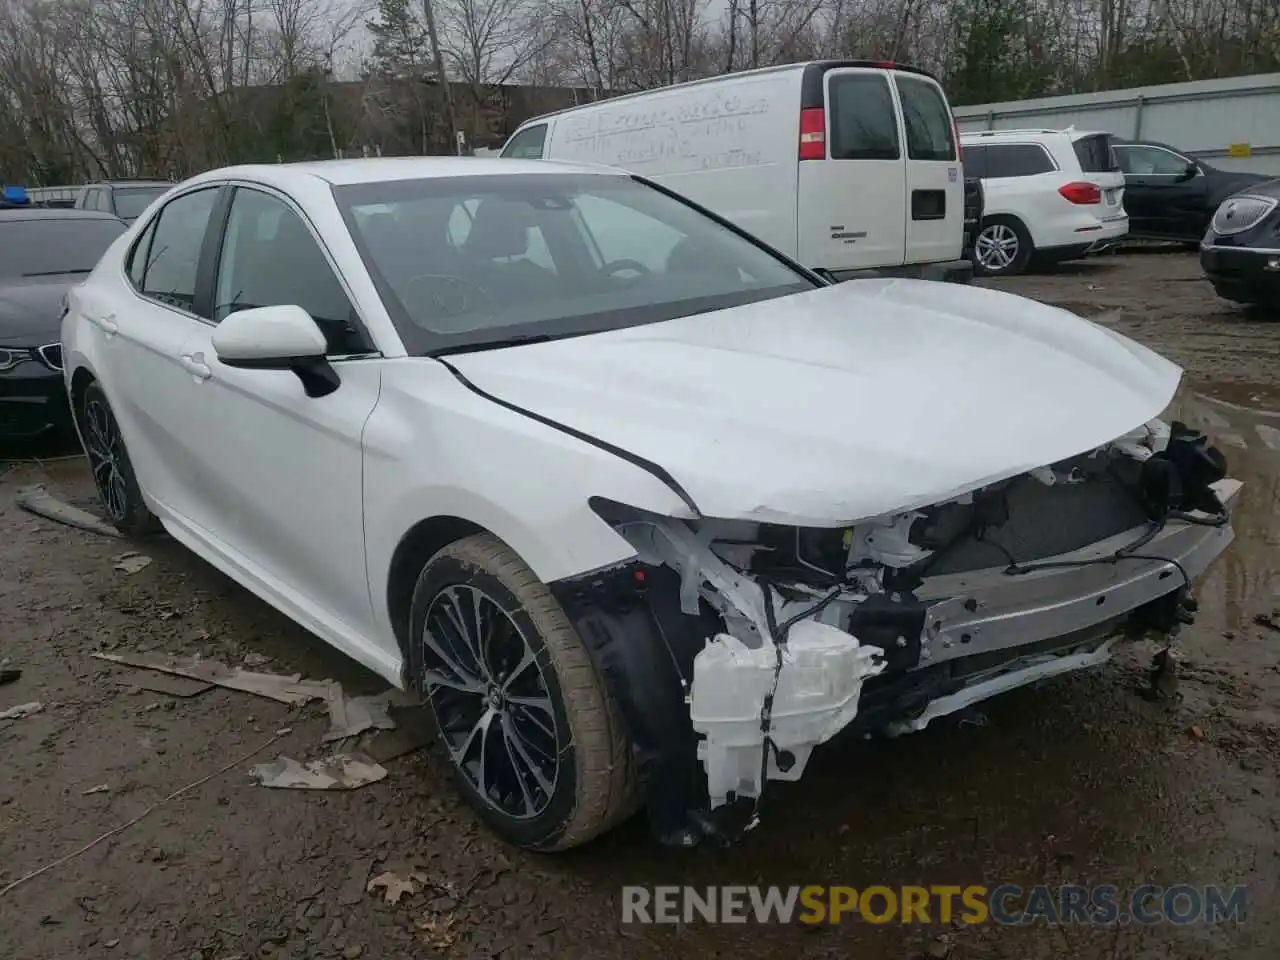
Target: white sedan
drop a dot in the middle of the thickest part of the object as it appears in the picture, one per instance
(643, 509)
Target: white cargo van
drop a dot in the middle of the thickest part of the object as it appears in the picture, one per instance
(847, 166)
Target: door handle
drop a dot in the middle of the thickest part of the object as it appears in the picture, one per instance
(107, 323)
(194, 364)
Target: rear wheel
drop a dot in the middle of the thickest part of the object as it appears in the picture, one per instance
(109, 464)
(535, 741)
(1002, 247)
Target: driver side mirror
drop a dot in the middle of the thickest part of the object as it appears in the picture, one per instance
(1188, 173)
(281, 337)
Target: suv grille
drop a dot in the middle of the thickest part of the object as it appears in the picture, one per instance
(51, 355)
(1238, 214)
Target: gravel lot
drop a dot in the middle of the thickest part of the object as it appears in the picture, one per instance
(1079, 781)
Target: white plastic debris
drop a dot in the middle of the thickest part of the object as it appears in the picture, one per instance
(131, 562)
(341, 771)
(39, 501)
(291, 689)
(20, 711)
(821, 679)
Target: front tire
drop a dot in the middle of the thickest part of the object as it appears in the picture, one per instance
(1002, 247)
(111, 468)
(535, 741)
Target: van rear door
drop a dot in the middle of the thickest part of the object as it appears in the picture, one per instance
(935, 185)
(852, 184)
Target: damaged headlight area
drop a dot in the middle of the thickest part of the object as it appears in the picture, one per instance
(734, 648)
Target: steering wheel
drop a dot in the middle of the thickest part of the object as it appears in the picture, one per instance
(450, 295)
(617, 266)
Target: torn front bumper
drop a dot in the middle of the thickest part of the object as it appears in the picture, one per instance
(986, 632)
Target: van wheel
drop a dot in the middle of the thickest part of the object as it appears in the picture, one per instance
(536, 743)
(1002, 248)
(111, 468)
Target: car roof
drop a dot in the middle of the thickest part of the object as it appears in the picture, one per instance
(1030, 133)
(143, 182)
(10, 214)
(388, 169)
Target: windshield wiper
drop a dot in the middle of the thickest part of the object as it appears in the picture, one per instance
(54, 273)
(517, 340)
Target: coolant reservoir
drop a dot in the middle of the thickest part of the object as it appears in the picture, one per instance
(823, 669)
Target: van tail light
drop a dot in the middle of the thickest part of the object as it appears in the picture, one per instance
(1081, 192)
(813, 134)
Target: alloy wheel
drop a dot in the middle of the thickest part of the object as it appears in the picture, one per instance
(491, 701)
(996, 247)
(104, 448)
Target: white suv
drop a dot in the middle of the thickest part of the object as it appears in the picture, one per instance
(1050, 194)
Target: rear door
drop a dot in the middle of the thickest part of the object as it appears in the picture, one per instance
(934, 185)
(851, 202)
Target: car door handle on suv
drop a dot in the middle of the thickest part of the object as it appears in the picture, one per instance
(106, 323)
(194, 364)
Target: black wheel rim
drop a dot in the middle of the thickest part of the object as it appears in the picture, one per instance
(489, 693)
(105, 450)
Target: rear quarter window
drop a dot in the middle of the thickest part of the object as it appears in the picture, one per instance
(1095, 154)
(1016, 160)
(863, 124)
(927, 120)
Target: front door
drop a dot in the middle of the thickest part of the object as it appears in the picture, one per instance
(1159, 197)
(851, 202)
(282, 469)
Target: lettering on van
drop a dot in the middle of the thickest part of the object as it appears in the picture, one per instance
(838, 232)
(701, 133)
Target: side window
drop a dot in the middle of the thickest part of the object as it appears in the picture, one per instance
(1017, 160)
(974, 160)
(1150, 161)
(269, 258)
(927, 120)
(173, 257)
(863, 122)
(527, 144)
(91, 198)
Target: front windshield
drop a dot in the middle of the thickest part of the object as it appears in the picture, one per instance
(473, 261)
(42, 247)
(132, 201)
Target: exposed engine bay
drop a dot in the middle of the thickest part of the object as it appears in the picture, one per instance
(774, 639)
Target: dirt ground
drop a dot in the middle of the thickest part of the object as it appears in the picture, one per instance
(1077, 781)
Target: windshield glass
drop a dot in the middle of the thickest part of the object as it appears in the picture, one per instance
(131, 201)
(474, 261)
(32, 248)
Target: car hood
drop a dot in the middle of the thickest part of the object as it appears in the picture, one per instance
(31, 309)
(843, 403)
(1261, 187)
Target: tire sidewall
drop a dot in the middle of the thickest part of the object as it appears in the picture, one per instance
(445, 570)
(1020, 260)
(138, 518)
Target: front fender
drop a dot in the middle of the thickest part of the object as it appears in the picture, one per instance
(434, 448)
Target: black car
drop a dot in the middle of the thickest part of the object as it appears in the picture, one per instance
(1240, 252)
(1170, 195)
(43, 253)
(126, 199)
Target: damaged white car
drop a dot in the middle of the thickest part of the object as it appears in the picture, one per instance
(646, 511)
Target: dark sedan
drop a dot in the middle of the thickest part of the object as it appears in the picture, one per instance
(1170, 195)
(43, 253)
(1241, 249)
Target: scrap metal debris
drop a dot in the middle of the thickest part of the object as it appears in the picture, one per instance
(292, 689)
(395, 886)
(39, 501)
(21, 710)
(131, 562)
(341, 771)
